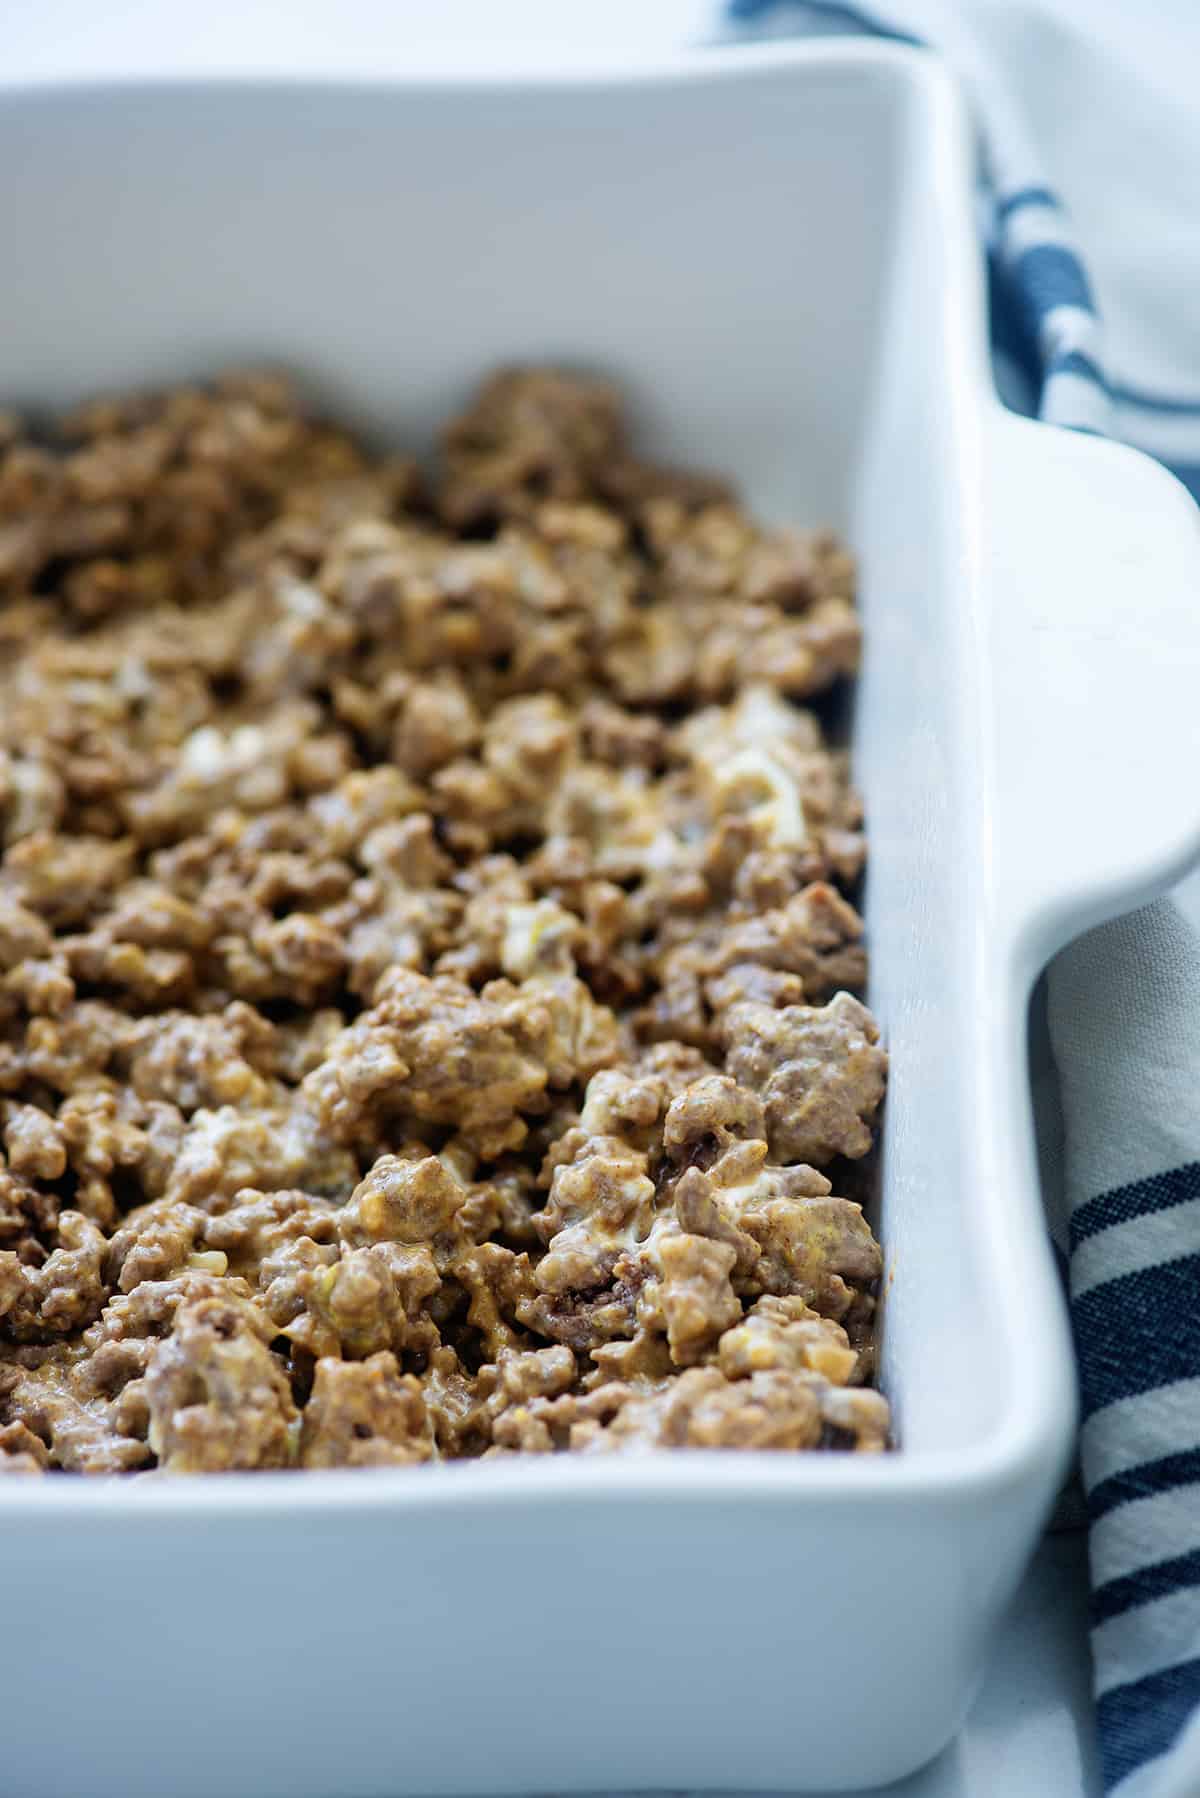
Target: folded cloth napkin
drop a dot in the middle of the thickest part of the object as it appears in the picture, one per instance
(1077, 102)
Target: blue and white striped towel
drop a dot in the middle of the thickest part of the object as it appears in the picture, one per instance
(1099, 110)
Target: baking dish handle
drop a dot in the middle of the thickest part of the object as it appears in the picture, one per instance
(1092, 652)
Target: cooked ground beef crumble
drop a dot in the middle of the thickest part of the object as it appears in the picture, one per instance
(426, 961)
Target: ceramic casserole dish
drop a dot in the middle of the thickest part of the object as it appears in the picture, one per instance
(774, 252)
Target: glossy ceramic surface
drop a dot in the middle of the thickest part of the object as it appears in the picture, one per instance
(775, 252)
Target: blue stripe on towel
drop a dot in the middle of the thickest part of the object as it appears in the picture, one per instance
(1162, 1578)
(1141, 1719)
(1149, 1478)
(1139, 1199)
(1026, 196)
(1049, 275)
(1145, 401)
(743, 11)
(1121, 1339)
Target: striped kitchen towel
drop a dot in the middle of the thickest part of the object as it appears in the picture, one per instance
(1080, 101)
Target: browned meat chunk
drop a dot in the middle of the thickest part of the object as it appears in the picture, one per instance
(820, 1074)
(364, 1414)
(21, 1451)
(215, 1395)
(43, 1304)
(532, 434)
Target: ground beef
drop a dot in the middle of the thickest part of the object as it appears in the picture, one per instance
(820, 1073)
(364, 1414)
(428, 956)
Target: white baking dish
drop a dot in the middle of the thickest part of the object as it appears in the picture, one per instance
(775, 251)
